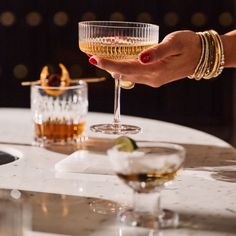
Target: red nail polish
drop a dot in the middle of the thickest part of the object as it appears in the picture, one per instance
(92, 61)
(145, 57)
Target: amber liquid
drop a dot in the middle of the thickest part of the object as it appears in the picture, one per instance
(59, 130)
(114, 49)
(147, 182)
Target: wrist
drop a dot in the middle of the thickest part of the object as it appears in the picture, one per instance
(229, 45)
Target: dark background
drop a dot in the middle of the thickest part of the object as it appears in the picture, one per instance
(39, 32)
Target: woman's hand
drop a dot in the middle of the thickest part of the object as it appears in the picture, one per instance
(176, 57)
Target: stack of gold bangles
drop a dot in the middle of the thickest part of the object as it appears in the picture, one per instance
(211, 61)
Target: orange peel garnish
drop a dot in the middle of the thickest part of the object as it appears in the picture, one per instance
(65, 76)
(61, 81)
(43, 75)
(58, 82)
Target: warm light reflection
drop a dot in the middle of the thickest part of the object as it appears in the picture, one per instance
(33, 18)
(65, 209)
(61, 18)
(171, 19)
(226, 19)
(44, 205)
(44, 208)
(7, 18)
(20, 71)
(199, 19)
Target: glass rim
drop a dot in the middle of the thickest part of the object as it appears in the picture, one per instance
(163, 144)
(119, 24)
(175, 148)
(80, 84)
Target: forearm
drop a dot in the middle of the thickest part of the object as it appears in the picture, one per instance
(229, 44)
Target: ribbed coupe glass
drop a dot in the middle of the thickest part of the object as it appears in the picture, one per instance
(117, 40)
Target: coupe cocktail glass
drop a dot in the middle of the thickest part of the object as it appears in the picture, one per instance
(116, 40)
(147, 170)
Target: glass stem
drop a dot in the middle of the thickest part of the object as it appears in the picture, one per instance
(116, 120)
(147, 203)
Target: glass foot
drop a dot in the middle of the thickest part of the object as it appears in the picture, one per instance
(115, 129)
(168, 219)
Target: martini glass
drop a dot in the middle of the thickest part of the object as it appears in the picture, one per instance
(147, 170)
(117, 40)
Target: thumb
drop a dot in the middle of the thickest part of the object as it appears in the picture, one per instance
(158, 52)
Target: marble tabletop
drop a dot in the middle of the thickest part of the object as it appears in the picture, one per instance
(204, 194)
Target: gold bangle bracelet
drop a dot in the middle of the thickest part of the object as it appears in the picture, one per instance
(220, 53)
(211, 62)
(212, 57)
(201, 57)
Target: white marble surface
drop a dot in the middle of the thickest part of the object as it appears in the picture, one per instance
(204, 195)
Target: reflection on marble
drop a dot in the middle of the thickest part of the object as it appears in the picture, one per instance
(205, 157)
(94, 144)
(220, 162)
(225, 175)
(63, 214)
(73, 215)
(208, 222)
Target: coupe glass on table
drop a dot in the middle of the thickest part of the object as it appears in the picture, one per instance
(147, 170)
(117, 40)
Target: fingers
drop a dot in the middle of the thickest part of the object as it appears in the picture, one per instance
(134, 71)
(172, 45)
(119, 67)
(152, 74)
(158, 52)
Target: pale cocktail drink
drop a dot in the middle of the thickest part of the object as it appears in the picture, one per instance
(114, 48)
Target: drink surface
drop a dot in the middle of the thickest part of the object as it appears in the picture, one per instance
(147, 182)
(115, 48)
(59, 130)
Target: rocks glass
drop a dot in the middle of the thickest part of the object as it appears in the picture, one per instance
(59, 113)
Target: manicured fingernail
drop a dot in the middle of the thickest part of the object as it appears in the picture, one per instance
(145, 57)
(92, 61)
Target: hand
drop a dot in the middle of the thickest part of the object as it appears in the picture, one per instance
(176, 57)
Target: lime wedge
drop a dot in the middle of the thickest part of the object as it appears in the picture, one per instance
(126, 144)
